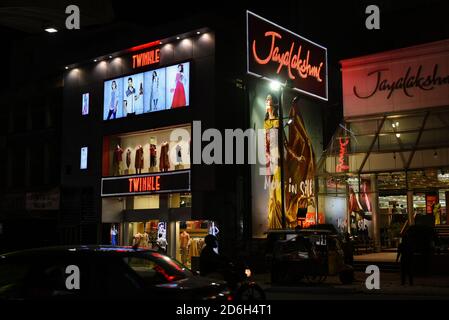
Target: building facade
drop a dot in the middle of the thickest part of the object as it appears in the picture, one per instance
(386, 165)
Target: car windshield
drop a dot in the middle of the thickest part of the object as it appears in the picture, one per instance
(155, 268)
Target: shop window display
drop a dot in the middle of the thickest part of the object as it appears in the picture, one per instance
(154, 151)
(191, 240)
(143, 234)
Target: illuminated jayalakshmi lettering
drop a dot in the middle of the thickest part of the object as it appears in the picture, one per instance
(146, 58)
(144, 184)
(405, 83)
(288, 59)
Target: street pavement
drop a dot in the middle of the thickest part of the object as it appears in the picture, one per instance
(430, 287)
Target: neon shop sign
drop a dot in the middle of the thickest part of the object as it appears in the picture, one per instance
(342, 164)
(146, 58)
(276, 53)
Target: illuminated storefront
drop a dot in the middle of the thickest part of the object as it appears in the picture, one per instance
(387, 164)
(133, 112)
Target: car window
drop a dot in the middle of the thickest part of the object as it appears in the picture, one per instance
(51, 278)
(156, 268)
(113, 278)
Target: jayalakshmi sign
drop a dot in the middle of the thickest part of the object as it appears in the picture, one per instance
(276, 53)
(398, 80)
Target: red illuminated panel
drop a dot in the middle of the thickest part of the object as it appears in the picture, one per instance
(145, 46)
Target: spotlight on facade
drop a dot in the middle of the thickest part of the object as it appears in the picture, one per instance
(275, 85)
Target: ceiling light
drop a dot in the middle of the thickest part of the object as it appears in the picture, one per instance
(398, 135)
(51, 30)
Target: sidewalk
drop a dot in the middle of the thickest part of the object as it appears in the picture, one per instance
(390, 286)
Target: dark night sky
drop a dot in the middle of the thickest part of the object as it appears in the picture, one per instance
(338, 25)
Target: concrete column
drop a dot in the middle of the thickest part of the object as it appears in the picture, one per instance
(410, 209)
(375, 213)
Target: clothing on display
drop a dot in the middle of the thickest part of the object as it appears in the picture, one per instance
(153, 155)
(141, 240)
(178, 154)
(196, 245)
(184, 238)
(117, 160)
(128, 158)
(164, 162)
(118, 154)
(114, 236)
(139, 159)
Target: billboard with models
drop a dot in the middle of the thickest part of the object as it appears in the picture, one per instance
(155, 90)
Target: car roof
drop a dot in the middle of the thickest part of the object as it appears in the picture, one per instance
(78, 248)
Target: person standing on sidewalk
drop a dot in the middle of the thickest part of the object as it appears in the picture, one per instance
(405, 253)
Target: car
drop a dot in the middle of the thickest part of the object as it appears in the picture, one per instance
(102, 272)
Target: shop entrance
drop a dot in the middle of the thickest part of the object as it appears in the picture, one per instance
(393, 217)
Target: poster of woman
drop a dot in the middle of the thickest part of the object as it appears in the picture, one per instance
(113, 99)
(85, 104)
(178, 78)
(154, 96)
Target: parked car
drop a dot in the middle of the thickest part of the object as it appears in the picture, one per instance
(104, 273)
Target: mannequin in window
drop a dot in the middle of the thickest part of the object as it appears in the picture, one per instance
(153, 154)
(164, 163)
(138, 163)
(178, 154)
(184, 239)
(117, 160)
(114, 234)
(128, 158)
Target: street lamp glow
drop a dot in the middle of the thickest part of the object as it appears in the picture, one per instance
(275, 85)
(51, 30)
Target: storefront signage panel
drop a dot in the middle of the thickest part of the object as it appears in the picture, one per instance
(278, 54)
(406, 79)
(169, 182)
